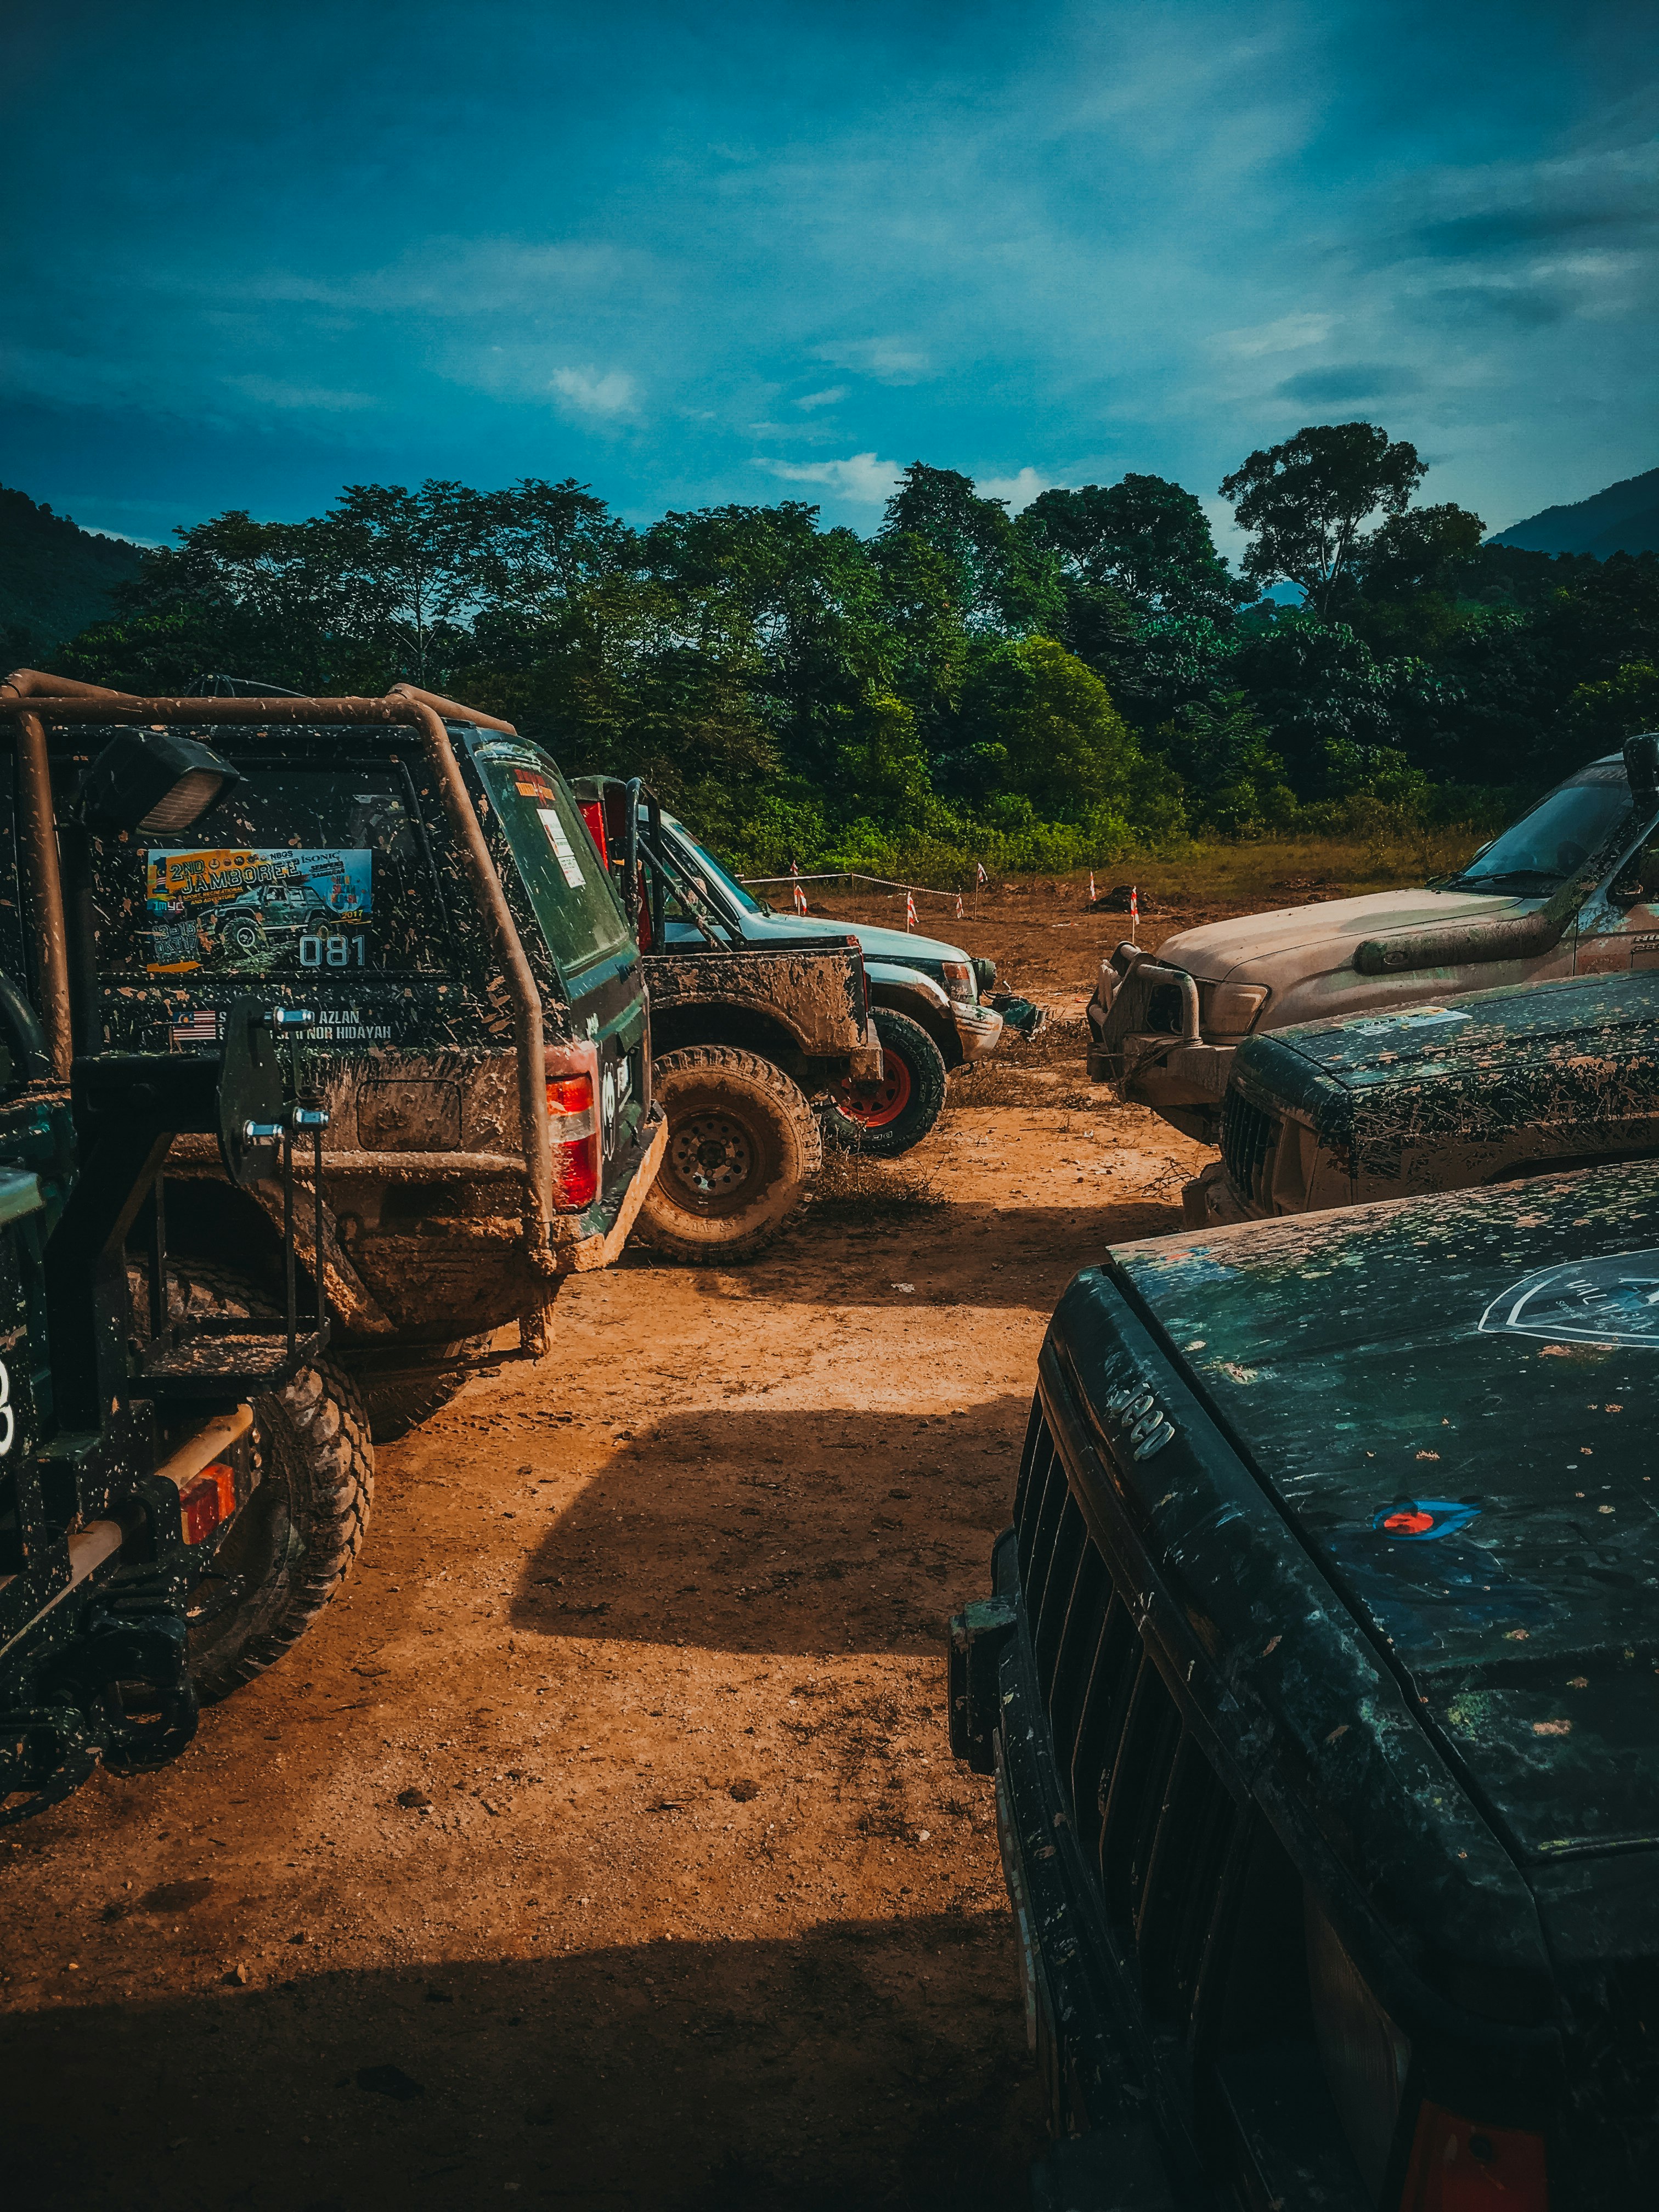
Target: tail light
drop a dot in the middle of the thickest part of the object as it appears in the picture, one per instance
(574, 1130)
(593, 815)
(206, 1500)
(1458, 2165)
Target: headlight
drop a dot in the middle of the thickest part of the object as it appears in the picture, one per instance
(958, 978)
(1365, 2056)
(1233, 1007)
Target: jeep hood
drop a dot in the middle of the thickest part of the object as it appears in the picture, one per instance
(1291, 943)
(1485, 1041)
(1454, 1401)
(904, 946)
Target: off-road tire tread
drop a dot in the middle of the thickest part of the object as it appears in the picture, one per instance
(926, 1103)
(392, 1409)
(786, 1094)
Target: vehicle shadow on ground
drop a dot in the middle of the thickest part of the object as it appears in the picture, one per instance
(787, 1532)
(876, 2064)
(951, 1256)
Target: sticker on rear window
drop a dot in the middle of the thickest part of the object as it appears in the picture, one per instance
(569, 865)
(1607, 1301)
(245, 910)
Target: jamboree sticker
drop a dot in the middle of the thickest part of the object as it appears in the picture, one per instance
(248, 910)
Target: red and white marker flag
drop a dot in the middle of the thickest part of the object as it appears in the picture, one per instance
(794, 867)
(958, 906)
(909, 909)
(1134, 912)
(979, 876)
(1093, 894)
(800, 899)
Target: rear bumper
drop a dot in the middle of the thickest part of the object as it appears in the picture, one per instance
(583, 1243)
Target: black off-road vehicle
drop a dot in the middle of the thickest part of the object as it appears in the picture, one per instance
(745, 1038)
(181, 1489)
(1321, 1686)
(481, 1044)
(1498, 1084)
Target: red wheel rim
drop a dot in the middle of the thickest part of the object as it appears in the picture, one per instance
(875, 1110)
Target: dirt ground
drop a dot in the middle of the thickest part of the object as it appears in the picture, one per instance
(601, 1847)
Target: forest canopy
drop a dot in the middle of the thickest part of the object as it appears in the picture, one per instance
(1041, 691)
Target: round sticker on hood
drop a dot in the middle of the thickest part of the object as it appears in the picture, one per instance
(1420, 1520)
(1611, 1300)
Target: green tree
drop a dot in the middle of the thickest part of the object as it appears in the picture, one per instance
(1223, 752)
(1306, 501)
(1003, 584)
(1145, 539)
(1038, 724)
(1602, 715)
(1421, 549)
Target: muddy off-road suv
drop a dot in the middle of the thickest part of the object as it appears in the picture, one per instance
(747, 1035)
(1571, 889)
(481, 1045)
(1321, 1688)
(182, 1484)
(1525, 1081)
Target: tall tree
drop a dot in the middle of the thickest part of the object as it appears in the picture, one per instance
(1004, 584)
(1306, 503)
(410, 561)
(1145, 538)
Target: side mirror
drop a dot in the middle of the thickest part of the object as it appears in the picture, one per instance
(1641, 767)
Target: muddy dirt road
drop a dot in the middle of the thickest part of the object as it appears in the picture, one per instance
(602, 1847)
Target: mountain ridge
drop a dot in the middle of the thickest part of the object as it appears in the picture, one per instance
(54, 578)
(1621, 518)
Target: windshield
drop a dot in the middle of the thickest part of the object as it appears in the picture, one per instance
(1543, 848)
(571, 892)
(706, 862)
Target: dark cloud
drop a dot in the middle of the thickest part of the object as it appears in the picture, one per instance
(1494, 231)
(1350, 381)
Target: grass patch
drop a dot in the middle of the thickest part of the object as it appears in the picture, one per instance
(854, 1191)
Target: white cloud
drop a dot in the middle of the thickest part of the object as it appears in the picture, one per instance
(1285, 336)
(888, 361)
(591, 393)
(1018, 490)
(273, 392)
(861, 478)
(823, 399)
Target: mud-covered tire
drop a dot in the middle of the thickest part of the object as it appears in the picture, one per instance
(742, 1144)
(909, 1103)
(398, 1403)
(291, 1545)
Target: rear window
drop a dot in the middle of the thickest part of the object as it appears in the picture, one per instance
(303, 870)
(579, 913)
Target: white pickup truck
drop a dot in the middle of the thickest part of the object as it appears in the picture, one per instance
(1572, 888)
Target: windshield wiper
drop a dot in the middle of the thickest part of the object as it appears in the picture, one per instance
(1542, 876)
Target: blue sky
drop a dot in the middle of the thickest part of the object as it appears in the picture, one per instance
(698, 253)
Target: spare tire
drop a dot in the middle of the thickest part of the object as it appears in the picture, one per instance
(742, 1142)
(883, 1122)
(291, 1546)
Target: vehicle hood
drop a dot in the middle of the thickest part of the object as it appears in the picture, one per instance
(905, 946)
(1292, 942)
(1496, 1060)
(1486, 1364)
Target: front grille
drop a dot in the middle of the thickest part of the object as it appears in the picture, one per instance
(1154, 1820)
(1249, 1138)
(1163, 1010)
